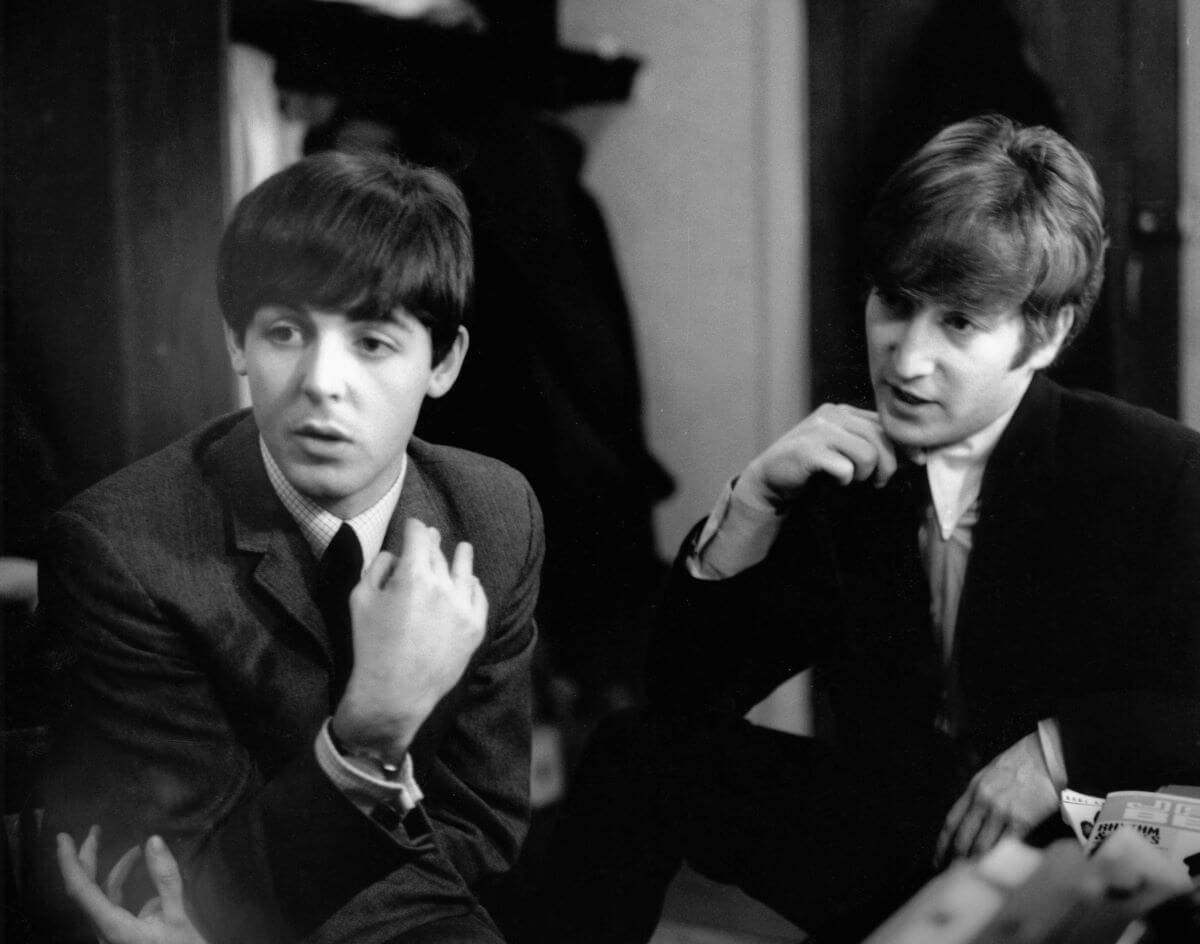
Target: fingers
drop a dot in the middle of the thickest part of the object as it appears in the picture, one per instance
(993, 828)
(479, 602)
(848, 456)
(87, 852)
(462, 569)
(111, 922)
(437, 560)
(423, 547)
(416, 542)
(68, 859)
(971, 829)
(114, 885)
(878, 460)
(461, 572)
(164, 873)
(842, 441)
(380, 570)
(950, 828)
(152, 909)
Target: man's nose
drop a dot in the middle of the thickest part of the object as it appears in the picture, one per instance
(913, 349)
(325, 368)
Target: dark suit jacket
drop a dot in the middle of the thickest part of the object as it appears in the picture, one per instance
(1081, 601)
(203, 673)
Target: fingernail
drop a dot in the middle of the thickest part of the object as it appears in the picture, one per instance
(155, 844)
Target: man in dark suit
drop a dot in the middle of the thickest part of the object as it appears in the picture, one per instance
(997, 580)
(350, 765)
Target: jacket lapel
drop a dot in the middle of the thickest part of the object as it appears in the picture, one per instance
(1000, 593)
(1016, 483)
(419, 500)
(259, 524)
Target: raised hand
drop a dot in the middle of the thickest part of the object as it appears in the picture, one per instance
(162, 920)
(842, 441)
(416, 619)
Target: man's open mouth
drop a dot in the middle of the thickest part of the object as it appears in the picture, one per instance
(322, 432)
(907, 398)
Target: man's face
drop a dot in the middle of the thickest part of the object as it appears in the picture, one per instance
(336, 400)
(941, 374)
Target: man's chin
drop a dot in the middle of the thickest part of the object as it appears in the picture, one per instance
(319, 485)
(908, 435)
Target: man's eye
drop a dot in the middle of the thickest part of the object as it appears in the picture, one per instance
(283, 333)
(895, 301)
(375, 346)
(959, 323)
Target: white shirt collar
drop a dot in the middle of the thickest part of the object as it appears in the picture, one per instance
(956, 472)
(319, 525)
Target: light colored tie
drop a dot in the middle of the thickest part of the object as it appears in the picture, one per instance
(945, 561)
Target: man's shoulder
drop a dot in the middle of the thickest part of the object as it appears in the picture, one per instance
(167, 486)
(1106, 433)
(489, 504)
(470, 479)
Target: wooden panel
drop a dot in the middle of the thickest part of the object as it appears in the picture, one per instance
(1150, 372)
(59, 326)
(113, 200)
(169, 191)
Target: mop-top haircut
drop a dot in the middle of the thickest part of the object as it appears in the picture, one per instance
(361, 234)
(990, 213)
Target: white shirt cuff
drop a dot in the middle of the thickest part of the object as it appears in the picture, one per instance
(1051, 740)
(738, 534)
(361, 785)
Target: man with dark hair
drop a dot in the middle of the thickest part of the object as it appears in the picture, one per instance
(325, 754)
(997, 580)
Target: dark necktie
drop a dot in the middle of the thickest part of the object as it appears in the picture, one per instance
(341, 568)
(911, 483)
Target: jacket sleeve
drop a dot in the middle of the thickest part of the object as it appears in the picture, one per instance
(721, 646)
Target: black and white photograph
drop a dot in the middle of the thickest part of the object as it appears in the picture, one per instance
(600, 471)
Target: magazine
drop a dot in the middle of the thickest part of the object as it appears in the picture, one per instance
(1169, 822)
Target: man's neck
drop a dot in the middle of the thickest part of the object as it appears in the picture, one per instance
(956, 471)
(318, 524)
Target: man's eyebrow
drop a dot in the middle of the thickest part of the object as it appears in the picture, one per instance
(283, 310)
(980, 312)
(396, 318)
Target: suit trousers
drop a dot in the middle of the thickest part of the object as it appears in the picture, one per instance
(834, 840)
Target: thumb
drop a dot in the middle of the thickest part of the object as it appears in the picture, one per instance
(164, 872)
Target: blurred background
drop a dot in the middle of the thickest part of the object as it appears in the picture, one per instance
(665, 195)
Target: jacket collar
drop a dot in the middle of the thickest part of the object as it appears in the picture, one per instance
(1024, 458)
(259, 524)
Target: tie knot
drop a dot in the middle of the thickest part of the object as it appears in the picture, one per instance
(911, 484)
(342, 561)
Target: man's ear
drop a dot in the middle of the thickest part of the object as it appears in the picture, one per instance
(445, 372)
(1044, 354)
(237, 351)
